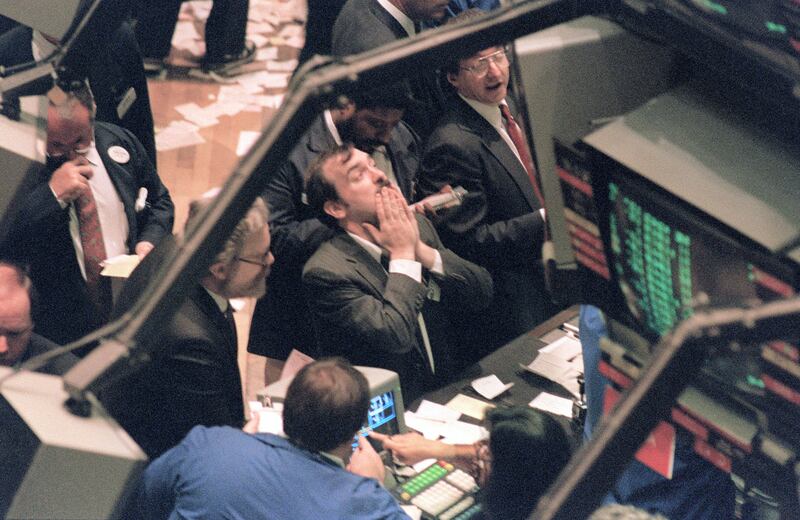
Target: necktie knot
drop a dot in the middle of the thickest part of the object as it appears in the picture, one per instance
(506, 113)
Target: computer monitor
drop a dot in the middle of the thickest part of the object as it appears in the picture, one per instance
(386, 411)
(575, 76)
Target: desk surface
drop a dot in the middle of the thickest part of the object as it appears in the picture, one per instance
(505, 364)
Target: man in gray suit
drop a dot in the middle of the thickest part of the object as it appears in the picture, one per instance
(372, 123)
(500, 224)
(363, 25)
(393, 316)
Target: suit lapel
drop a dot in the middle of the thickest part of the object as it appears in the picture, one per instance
(319, 137)
(210, 309)
(387, 19)
(363, 263)
(497, 146)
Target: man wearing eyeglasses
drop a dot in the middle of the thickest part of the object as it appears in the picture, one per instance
(193, 377)
(98, 197)
(500, 224)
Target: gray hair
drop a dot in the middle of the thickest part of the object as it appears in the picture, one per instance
(256, 219)
(79, 97)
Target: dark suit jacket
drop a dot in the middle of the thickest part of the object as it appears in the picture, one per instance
(364, 25)
(193, 379)
(369, 316)
(39, 235)
(113, 70)
(498, 224)
(56, 366)
(280, 321)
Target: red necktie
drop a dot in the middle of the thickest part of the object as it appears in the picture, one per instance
(518, 138)
(94, 253)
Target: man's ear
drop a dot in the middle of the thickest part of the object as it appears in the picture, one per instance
(334, 208)
(452, 79)
(219, 271)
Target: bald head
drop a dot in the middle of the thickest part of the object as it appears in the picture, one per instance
(15, 313)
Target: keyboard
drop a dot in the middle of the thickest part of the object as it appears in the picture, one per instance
(441, 492)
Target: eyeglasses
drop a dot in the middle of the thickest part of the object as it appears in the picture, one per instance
(480, 69)
(263, 262)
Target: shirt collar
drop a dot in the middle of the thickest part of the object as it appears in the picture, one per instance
(221, 302)
(491, 113)
(40, 47)
(93, 156)
(400, 16)
(332, 127)
(373, 249)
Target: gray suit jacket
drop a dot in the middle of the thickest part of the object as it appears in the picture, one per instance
(369, 316)
(280, 321)
(498, 224)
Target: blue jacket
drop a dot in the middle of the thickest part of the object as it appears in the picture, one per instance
(222, 472)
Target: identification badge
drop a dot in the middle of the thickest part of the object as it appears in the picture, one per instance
(119, 154)
(127, 101)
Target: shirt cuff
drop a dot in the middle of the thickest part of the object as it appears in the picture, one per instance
(60, 202)
(438, 266)
(410, 268)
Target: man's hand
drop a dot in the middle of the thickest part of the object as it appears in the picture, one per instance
(366, 462)
(71, 179)
(398, 232)
(410, 448)
(143, 248)
(423, 207)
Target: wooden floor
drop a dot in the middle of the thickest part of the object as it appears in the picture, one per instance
(190, 171)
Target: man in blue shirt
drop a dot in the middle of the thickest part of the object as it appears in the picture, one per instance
(222, 472)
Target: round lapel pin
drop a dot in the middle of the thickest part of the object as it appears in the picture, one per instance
(119, 154)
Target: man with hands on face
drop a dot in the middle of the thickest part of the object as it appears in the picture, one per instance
(98, 197)
(394, 316)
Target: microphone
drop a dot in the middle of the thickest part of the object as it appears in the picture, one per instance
(443, 200)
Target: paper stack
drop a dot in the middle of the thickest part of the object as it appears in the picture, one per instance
(560, 362)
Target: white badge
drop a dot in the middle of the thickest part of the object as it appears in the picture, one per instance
(119, 154)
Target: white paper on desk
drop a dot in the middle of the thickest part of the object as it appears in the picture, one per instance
(246, 140)
(428, 428)
(490, 386)
(460, 432)
(269, 101)
(413, 511)
(430, 410)
(560, 362)
(422, 465)
(552, 404)
(467, 405)
(120, 266)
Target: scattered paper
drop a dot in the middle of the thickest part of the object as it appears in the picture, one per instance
(428, 428)
(246, 140)
(552, 404)
(294, 363)
(177, 136)
(267, 53)
(282, 66)
(460, 432)
(413, 511)
(120, 266)
(467, 405)
(490, 386)
(560, 362)
(434, 411)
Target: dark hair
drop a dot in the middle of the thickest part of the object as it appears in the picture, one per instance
(325, 405)
(453, 63)
(529, 449)
(318, 189)
(24, 280)
(391, 96)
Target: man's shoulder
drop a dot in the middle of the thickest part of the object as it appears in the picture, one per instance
(328, 255)
(361, 26)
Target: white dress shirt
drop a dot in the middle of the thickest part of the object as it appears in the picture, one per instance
(400, 16)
